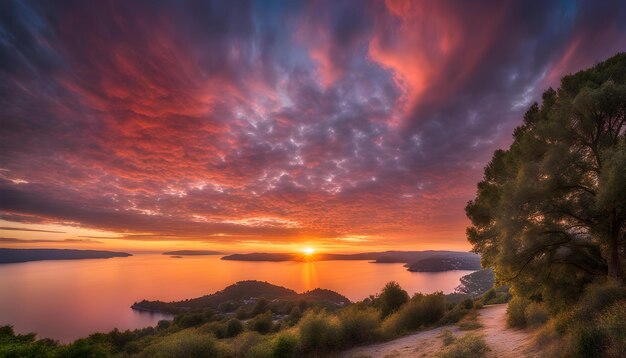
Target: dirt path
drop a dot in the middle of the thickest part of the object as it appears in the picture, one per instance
(503, 341)
(422, 344)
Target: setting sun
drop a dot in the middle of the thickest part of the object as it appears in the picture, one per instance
(308, 250)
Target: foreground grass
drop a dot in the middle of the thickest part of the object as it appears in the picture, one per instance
(470, 345)
(594, 327)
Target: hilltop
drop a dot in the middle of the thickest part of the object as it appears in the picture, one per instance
(243, 293)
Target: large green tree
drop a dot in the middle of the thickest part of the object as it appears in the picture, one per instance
(550, 212)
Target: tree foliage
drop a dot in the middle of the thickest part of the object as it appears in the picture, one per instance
(392, 298)
(550, 212)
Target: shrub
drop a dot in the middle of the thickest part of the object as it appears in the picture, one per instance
(261, 323)
(261, 350)
(516, 312)
(186, 344)
(319, 332)
(218, 329)
(613, 322)
(470, 322)
(454, 315)
(467, 303)
(294, 316)
(285, 346)
(359, 325)
(25, 345)
(589, 341)
(163, 324)
(190, 319)
(489, 295)
(597, 297)
(535, 314)
(259, 307)
(419, 311)
(233, 327)
(243, 343)
(470, 345)
(447, 337)
(241, 313)
(392, 298)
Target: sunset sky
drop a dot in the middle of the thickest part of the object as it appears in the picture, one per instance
(270, 125)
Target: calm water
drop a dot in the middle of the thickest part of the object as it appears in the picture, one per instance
(66, 300)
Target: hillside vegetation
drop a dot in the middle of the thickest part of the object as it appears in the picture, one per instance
(550, 215)
(257, 319)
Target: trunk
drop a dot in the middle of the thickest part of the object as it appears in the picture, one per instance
(614, 261)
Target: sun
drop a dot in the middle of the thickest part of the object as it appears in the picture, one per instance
(308, 251)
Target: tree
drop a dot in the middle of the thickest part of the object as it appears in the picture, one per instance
(260, 306)
(392, 298)
(550, 212)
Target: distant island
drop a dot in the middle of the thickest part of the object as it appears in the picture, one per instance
(446, 263)
(244, 293)
(416, 261)
(191, 253)
(8, 256)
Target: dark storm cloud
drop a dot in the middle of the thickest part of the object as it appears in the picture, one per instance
(275, 120)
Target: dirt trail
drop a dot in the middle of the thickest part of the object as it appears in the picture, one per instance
(503, 341)
(423, 344)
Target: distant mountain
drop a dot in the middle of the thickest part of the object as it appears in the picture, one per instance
(441, 260)
(192, 252)
(240, 291)
(263, 257)
(446, 263)
(24, 255)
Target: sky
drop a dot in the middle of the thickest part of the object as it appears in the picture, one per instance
(270, 125)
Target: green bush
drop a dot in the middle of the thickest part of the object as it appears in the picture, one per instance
(421, 310)
(187, 344)
(516, 312)
(470, 345)
(294, 316)
(190, 319)
(261, 350)
(391, 298)
(489, 295)
(467, 303)
(597, 297)
(454, 315)
(261, 323)
(536, 314)
(589, 341)
(244, 343)
(233, 327)
(285, 346)
(260, 306)
(218, 329)
(613, 323)
(25, 345)
(359, 325)
(241, 313)
(319, 332)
